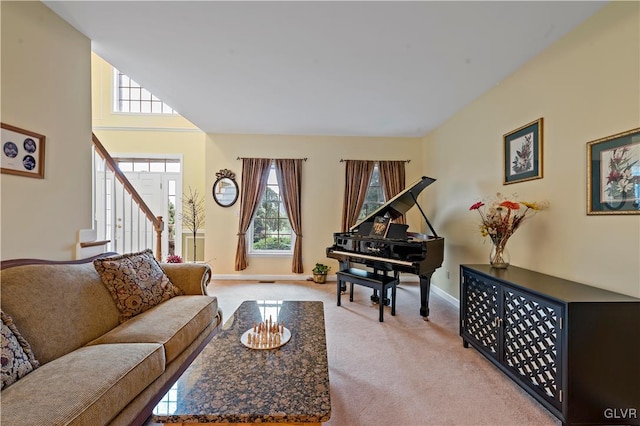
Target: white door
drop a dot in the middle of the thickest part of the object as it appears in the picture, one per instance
(133, 231)
(119, 219)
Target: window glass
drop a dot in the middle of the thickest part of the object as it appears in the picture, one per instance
(270, 231)
(125, 166)
(131, 97)
(173, 167)
(156, 166)
(375, 195)
(140, 166)
(159, 165)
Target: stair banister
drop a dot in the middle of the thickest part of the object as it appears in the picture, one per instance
(158, 224)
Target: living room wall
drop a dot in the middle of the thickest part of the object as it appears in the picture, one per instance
(586, 87)
(146, 134)
(46, 88)
(322, 193)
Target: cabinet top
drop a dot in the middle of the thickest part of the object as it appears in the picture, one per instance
(550, 286)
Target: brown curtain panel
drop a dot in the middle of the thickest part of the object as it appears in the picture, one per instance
(289, 174)
(255, 172)
(392, 177)
(357, 176)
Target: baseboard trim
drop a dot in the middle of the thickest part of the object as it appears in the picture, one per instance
(264, 277)
(446, 296)
(302, 277)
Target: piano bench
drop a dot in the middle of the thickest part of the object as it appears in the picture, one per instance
(372, 280)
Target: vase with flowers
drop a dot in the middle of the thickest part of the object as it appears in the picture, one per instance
(499, 220)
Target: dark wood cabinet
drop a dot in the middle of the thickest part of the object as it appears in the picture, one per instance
(573, 347)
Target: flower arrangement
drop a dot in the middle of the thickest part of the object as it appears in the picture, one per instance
(174, 258)
(620, 180)
(499, 220)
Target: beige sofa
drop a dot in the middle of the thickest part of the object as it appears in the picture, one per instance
(93, 369)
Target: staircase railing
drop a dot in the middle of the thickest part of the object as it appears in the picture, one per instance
(140, 241)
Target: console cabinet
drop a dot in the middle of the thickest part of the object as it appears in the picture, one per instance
(573, 347)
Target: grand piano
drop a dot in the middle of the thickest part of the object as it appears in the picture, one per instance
(397, 250)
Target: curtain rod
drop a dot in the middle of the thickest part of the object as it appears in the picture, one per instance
(342, 160)
(303, 159)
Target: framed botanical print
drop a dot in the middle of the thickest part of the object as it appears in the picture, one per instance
(613, 174)
(523, 153)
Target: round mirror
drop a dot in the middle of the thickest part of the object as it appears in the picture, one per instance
(225, 191)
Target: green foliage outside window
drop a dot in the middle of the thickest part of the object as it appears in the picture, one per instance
(271, 226)
(375, 195)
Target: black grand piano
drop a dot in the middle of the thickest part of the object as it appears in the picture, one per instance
(398, 250)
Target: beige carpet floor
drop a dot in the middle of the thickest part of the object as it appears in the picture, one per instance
(404, 371)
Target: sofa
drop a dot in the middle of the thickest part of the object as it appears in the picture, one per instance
(87, 361)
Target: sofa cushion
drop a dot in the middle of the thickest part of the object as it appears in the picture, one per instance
(88, 386)
(136, 282)
(57, 308)
(17, 359)
(175, 324)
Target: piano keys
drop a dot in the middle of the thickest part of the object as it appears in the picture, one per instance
(400, 250)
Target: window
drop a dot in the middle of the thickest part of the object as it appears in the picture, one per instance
(161, 165)
(270, 230)
(129, 96)
(375, 195)
(171, 222)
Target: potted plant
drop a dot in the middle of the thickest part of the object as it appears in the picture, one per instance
(320, 273)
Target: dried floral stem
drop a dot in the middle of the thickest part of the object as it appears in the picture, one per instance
(193, 212)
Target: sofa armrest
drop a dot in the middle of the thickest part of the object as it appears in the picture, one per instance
(192, 278)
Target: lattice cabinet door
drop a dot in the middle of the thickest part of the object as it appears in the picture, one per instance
(532, 342)
(479, 320)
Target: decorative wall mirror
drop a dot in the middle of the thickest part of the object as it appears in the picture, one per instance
(225, 189)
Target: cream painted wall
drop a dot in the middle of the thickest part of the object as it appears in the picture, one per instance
(146, 134)
(188, 145)
(102, 78)
(322, 192)
(46, 88)
(586, 86)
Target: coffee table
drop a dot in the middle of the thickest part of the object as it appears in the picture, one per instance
(231, 383)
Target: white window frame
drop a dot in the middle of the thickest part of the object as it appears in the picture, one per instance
(166, 109)
(384, 196)
(265, 252)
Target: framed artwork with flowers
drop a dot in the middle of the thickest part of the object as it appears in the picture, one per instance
(22, 152)
(523, 153)
(613, 174)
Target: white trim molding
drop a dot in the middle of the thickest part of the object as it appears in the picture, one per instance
(304, 277)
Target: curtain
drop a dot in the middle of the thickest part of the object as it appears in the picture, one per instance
(357, 176)
(392, 177)
(289, 174)
(255, 172)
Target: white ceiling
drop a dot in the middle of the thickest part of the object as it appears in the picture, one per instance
(365, 68)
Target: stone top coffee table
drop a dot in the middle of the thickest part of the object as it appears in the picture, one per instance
(231, 383)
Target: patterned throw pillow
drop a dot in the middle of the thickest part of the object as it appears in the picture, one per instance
(17, 358)
(136, 282)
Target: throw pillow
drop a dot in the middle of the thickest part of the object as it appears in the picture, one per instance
(17, 358)
(136, 282)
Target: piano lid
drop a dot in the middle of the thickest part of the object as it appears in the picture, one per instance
(401, 203)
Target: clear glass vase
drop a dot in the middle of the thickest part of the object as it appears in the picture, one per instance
(499, 256)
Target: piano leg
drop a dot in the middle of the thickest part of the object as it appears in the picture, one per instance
(374, 297)
(342, 286)
(425, 289)
(383, 295)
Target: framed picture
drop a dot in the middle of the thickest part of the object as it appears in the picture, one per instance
(523, 153)
(613, 174)
(22, 152)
